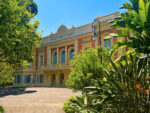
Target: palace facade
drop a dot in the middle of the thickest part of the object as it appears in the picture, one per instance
(51, 66)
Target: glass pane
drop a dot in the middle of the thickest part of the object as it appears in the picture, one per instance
(18, 79)
(15, 79)
(107, 43)
(63, 57)
(55, 58)
(71, 54)
(37, 78)
(41, 78)
(25, 79)
(41, 63)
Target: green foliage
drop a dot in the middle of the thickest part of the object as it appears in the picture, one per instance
(81, 104)
(67, 104)
(124, 85)
(123, 88)
(31, 7)
(136, 25)
(2, 109)
(127, 87)
(6, 77)
(18, 36)
(86, 67)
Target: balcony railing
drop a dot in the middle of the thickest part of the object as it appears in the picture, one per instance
(56, 66)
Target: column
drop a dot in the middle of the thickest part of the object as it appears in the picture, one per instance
(76, 47)
(57, 55)
(49, 56)
(66, 55)
(57, 79)
(22, 79)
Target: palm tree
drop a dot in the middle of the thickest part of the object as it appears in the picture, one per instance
(135, 26)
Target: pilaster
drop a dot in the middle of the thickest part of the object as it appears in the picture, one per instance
(66, 55)
(57, 55)
(76, 47)
(49, 56)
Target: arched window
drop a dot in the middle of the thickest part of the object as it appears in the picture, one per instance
(71, 54)
(55, 58)
(63, 57)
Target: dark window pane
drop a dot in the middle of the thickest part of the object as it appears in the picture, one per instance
(41, 61)
(55, 58)
(107, 44)
(71, 54)
(41, 78)
(63, 57)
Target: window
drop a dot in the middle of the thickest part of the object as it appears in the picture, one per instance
(71, 54)
(15, 77)
(41, 60)
(62, 79)
(107, 44)
(27, 79)
(41, 78)
(37, 78)
(54, 80)
(63, 57)
(18, 79)
(55, 58)
(32, 78)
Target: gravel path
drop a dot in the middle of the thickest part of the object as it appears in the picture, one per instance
(37, 100)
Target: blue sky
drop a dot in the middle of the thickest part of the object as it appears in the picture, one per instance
(53, 13)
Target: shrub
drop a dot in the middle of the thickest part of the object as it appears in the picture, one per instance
(2, 109)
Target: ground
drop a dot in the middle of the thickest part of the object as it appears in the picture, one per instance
(36, 100)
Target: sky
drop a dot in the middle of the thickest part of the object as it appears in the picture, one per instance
(53, 13)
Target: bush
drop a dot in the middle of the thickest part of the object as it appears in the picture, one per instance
(2, 109)
(127, 87)
(86, 67)
(67, 104)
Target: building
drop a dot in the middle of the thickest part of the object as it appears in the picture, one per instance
(51, 66)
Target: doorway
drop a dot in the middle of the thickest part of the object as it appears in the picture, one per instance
(53, 80)
(62, 80)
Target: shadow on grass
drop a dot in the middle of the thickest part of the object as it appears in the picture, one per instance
(6, 91)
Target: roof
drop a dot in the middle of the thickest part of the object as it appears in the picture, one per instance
(64, 33)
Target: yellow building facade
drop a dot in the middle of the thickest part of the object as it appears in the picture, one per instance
(51, 66)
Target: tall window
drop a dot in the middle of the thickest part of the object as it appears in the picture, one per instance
(18, 79)
(15, 77)
(37, 79)
(71, 54)
(63, 57)
(55, 58)
(107, 43)
(41, 78)
(27, 79)
(33, 78)
(41, 60)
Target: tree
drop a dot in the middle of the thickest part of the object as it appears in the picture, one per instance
(31, 7)
(86, 67)
(6, 75)
(135, 25)
(18, 36)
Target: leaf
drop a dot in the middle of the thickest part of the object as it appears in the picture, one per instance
(142, 10)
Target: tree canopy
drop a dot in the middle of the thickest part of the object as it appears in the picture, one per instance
(87, 66)
(18, 36)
